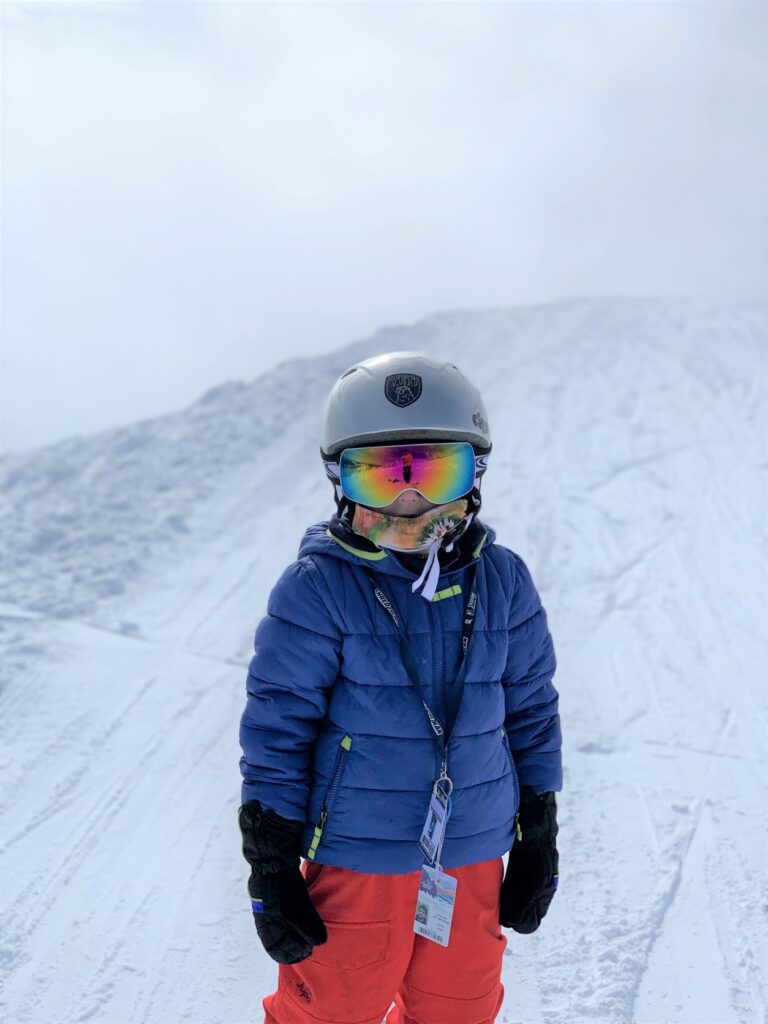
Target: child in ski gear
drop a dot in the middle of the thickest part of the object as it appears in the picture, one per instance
(401, 731)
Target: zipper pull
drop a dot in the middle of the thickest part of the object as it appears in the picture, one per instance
(318, 834)
(518, 829)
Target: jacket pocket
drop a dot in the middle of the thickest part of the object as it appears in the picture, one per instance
(513, 769)
(330, 795)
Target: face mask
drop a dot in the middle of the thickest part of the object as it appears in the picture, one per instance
(408, 533)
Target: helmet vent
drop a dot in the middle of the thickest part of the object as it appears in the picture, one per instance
(347, 372)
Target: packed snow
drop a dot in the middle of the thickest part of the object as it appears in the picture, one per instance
(629, 470)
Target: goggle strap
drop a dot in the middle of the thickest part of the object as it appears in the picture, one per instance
(332, 472)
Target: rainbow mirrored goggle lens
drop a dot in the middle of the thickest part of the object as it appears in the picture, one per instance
(375, 476)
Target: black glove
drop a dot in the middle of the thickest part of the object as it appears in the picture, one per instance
(286, 920)
(531, 879)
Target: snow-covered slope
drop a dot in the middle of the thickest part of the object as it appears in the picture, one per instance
(628, 470)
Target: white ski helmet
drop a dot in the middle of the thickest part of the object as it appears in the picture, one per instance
(403, 396)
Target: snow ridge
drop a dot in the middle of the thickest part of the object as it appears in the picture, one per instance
(629, 470)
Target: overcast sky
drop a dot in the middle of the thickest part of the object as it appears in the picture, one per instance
(194, 192)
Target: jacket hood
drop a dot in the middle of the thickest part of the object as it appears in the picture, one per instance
(334, 538)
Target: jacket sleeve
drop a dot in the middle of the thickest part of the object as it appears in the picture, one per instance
(532, 719)
(296, 659)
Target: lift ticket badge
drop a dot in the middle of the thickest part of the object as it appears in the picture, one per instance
(434, 905)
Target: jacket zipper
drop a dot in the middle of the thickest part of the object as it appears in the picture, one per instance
(437, 642)
(330, 795)
(505, 741)
(441, 766)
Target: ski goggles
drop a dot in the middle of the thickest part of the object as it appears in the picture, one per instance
(375, 476)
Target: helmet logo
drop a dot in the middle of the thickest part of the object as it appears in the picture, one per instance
(402, 389)
(480, 422)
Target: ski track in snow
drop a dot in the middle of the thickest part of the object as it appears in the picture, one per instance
(628, 471)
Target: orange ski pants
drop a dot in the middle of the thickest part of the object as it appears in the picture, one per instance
(373, 956)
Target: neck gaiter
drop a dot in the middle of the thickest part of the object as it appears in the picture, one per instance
(408, 533)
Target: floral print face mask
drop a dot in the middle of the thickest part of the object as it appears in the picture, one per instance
(408, 533)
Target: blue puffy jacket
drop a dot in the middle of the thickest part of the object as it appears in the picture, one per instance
(334, 733)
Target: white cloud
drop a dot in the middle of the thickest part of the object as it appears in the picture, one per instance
(192, 191)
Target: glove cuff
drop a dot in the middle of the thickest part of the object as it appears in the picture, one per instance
(538, 814)
(270, 842)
